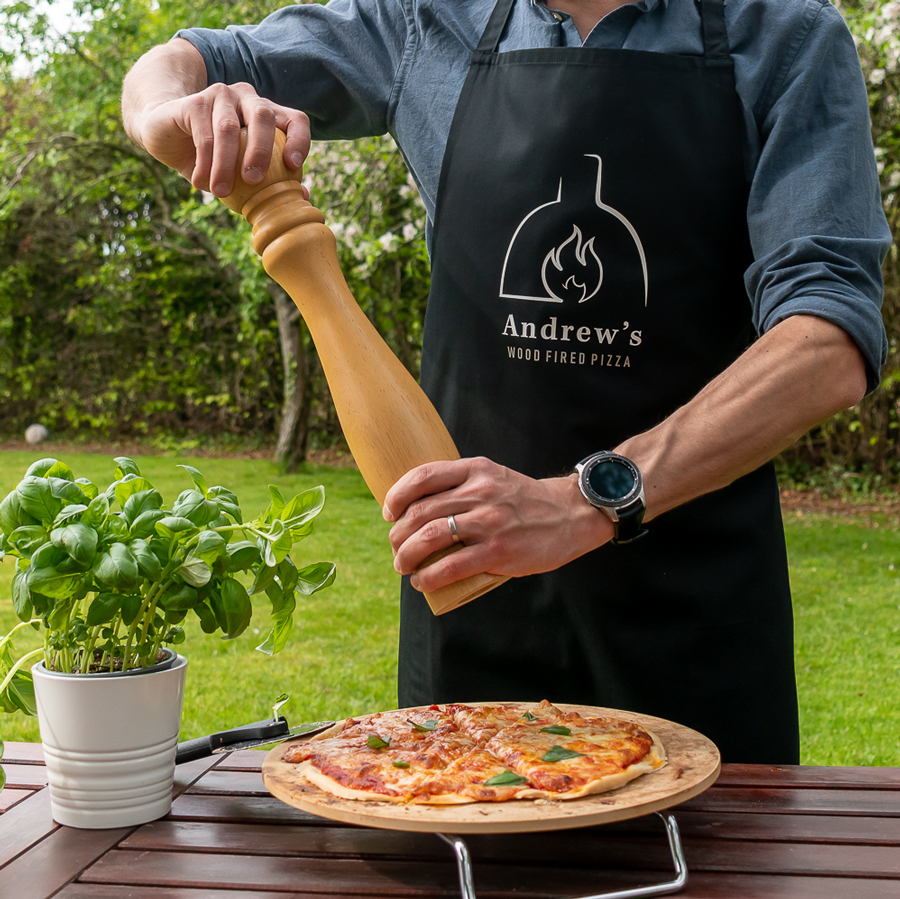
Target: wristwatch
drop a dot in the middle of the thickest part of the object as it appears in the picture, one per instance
(614, 485)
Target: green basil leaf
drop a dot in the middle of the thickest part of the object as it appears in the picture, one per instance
(21, 596)
(506, 779)
(431, 724)
(20, 693)
(557, 729)
(125, 466)
(299, 511)
(131, 605)
(210, 546)
(242, 555)
(145, 523)
(140, 502)
(104, 608)
(173, 526)
(97, 511)
(275, 506)
(127, 487)
(263, 577)
(40, 468)
(68, 491)
(529, 717)
(88, 488)
(195, 571)
(117, 568)
(197, 478)
(78, 540)
(13, 514)
(180, 598)
(373, 741)
(226, 501)
(191, 504)
(315, 577)
(400, 764)
(558, 754)
(232, 607)
(28, 539)
(52, 582)
(37, 499)
(68, 512)
(148, 563)
(279, 544)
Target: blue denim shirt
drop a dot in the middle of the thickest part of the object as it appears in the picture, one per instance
(819, 236)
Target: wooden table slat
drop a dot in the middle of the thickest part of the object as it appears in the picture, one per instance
(10, 796)
(32, 753)
(820, 801)
(700, 886)
(792, 776)
(594, 848)
(224, 781)
(24, 775)
(25, 825)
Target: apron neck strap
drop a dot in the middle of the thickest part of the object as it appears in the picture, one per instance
(490, 39)
(712, 17)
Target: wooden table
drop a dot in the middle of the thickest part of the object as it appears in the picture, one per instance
(759, 833)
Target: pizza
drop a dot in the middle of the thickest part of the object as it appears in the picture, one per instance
(452, 754)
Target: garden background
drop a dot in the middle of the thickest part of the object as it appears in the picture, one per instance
(135, 319)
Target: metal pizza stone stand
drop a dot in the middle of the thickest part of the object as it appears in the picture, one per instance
(693, 765)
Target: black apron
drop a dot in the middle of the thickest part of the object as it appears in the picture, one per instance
(589, 249)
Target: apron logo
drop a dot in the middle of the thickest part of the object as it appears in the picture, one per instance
(570, 271)
(571, 261)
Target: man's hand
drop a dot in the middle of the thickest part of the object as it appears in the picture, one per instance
(168, 109)
(508, 523)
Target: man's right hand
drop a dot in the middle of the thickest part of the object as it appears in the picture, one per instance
(168, 109)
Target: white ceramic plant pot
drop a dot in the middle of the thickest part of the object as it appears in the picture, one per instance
(109, 742)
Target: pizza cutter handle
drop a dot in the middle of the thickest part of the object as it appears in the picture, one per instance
(467, 884)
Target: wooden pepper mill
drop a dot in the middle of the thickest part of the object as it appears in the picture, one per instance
(389, 423)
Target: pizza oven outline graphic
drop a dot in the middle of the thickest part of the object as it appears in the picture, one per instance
(574, 263)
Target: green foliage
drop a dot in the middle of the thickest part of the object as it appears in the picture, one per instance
(864, 439)
(110, 574)
(131, 304)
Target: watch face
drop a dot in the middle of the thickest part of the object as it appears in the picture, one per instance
(611, 480)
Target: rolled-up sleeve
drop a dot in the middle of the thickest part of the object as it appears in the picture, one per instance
(338, 63)
(816, 222)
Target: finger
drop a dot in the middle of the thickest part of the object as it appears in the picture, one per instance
(434, 536)
(295, 125)
(422, 512)
(260, 119)
(226, 130)
(424, 480)
(453, 567)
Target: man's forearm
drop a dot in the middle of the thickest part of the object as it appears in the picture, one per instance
(795, 376)
(168, 72)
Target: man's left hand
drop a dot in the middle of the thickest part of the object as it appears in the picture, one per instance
(507, 523)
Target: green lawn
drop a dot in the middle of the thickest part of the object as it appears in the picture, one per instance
(342, 658)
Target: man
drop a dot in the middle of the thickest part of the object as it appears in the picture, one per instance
(606, 182)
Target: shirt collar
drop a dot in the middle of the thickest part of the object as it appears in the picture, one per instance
(644, 5)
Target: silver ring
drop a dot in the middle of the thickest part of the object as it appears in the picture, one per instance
(454, 534)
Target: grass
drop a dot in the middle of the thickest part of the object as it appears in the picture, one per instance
(845, 572)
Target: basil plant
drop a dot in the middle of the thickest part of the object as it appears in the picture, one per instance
(110, 575)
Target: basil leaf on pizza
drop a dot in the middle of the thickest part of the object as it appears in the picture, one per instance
(373, 741)
(431, 724)
(506, 779)
(558, 729)
(559, 753)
